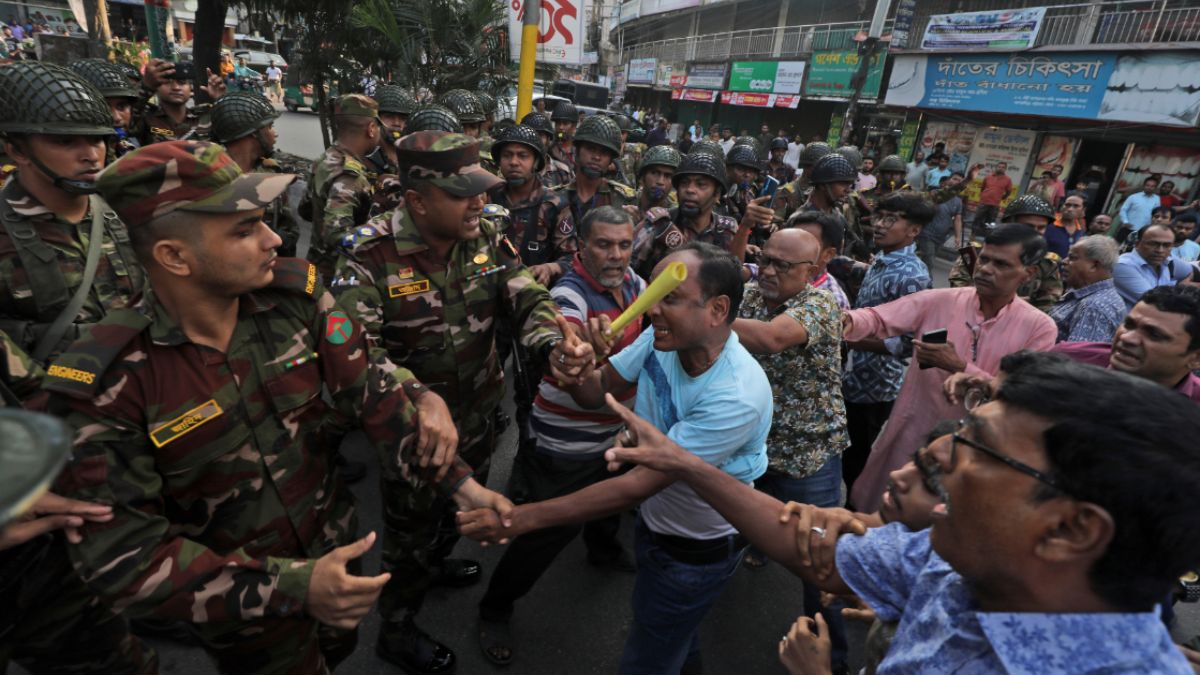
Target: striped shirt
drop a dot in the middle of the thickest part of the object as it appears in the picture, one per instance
(563, 427)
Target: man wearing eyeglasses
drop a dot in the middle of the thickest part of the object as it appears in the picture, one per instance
(794, 332)
(1149, 265)
(1039, 558)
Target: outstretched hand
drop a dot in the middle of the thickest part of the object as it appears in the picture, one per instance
(572, 360)
(817, 531)
(642, 443)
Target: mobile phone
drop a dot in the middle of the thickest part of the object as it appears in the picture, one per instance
(937, 337)
(770, 185)
(184, 70)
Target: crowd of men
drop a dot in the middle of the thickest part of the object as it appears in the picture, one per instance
(1009, 459)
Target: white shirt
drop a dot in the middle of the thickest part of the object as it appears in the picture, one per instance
(727, 145)
(274, 73)
(792, 156)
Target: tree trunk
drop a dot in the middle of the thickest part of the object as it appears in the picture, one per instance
(206, 46)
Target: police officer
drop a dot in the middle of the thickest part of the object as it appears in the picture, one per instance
(791, 196)
(1043, 290)
(565, 118)
(555, 172)
(597, 144)
(744, 170)
(654, 175)
(119, 93)
(341, 188)
(65, 255)
(429, 284)
(776, 166)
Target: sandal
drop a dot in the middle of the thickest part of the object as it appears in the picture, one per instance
(754, 561)
(496, 641)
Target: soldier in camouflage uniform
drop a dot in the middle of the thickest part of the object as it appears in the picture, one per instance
(597, 144)
(555, 172)
(52, 623)
(467, 108)
(1046, 287)
(202, 422)
(654, 180)
(791, 196)
(395, 107)
(171, 118)
(565, 118)
(743, 169)
(776, 166)
(832, 191)
(428, 284)
(120, 95)
(631, 153)
(55, 125)
(340, 189)
(487, 104)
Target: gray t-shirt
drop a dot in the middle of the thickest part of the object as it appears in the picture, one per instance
(943, 221)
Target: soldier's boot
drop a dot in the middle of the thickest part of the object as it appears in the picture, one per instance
(411, 649)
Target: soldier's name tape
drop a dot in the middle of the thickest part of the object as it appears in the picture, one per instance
(185, 423)
(310, 281)
(401, 290)
(71, 374)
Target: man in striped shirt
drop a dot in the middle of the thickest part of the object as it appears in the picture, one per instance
(571, 439)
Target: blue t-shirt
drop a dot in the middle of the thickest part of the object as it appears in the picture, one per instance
(723, 416)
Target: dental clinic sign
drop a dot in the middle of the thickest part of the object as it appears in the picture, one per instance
(766, 77)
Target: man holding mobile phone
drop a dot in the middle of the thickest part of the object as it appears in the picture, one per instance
(171, 119)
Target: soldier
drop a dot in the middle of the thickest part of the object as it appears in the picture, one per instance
(743, 168)
(631, 153)
(654, 180)
(555, 172)
(65, 257)
(171, 118)
(395, 106)
(120, 95)
(832, 182)
(699, 183)
(776, 166)
(891, 172)
(791, 196)
(428, 285)
(565, 118)
(340, 188)
(597, 143)
(466, 108)
(1043, 290)
(202, 421)
(487, 103)
(433, 117)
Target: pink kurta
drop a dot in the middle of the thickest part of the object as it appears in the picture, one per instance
(920, 404)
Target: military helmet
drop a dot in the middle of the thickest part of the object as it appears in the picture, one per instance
(487, 102)
(659, 155)
(501, 125)
(392, 98)
(239, 114)
(892, 164)
(637, 135)
(464, 105)
(130, 71)
(565, 111)
(601, 131)
(39, 98)
(750, 141)
(779, 143)
(701, 164)
(851, 153)
(814, 151)
(743, 155)
(433, 117)
(833, 168)
(33, 449)
(707, 145)
(1028, 205)
(538, 122)
(522, 135)
(109, 79)
(624, 123)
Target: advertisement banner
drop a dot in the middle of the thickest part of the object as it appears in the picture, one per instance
(1153, 87)
(660, 6)
(560, 34)
(956, 140)
(678, 80)
(908, 139)
(760, 100)
(830, 72)
(906, 10)
(1007, 29)
(706, 76)
(698, 95)
(642, 71)
(992, 146)
(836, 122)
(662, 80)
(1056, 151)
(774, 77)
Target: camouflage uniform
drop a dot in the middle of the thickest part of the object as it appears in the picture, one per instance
(555, 173)
(663, 231)
(669, 201)
(610, 193)
(790, 197)
(216, 464)
(156, 126)
(1042, 291)
(387, 193)
(535, 226)
(438, 317)
(631, 158)
(782, 172)
(566, 155)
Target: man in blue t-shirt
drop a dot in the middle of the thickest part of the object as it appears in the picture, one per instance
(699, 386)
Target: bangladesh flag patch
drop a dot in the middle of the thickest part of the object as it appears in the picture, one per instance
(338, 328)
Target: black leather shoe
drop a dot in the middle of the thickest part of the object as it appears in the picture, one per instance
(413, 651)
(458, 573)
(351, 471)
(618, 563)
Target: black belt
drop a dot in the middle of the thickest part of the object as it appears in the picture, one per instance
(698, 551)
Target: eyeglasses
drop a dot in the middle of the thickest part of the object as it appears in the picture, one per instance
(887, 220)
(780, 265)
(1024, 468)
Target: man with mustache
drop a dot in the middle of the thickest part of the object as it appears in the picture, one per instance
(654, 175)
(1150, 264)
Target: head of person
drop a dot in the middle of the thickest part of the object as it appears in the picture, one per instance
(444, 184)
(656, 171)
(953, 179)
(1166, 188)
(565, 119)
(1090, 260)
(742, 166)
(1030, 210)
(1056, 171)
(606, 244)
(699, 183)
(833, 177)
(1073, 208)
(1000, 168)
(1150, 185)
(765, 128)
(1160, 337)
(520, 155)
(395, 105)
(244, 120)
(597, 145)
(662, 123)
(1161, 215)
(701, 310)
(1101, 223)
(918, 157)
(1050, 487)
(891, 172)
(787, 264)
(356, 122)
(912, 490)
(899, 218)
(1009, 258)
(194, 218)
(175, 90)
(1154, 243)
(242, 61)
(779, 148)
(943, 162)
(828, 228)
(1183, 228)
(868, 164)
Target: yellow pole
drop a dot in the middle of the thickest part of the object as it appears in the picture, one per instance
(529, 42)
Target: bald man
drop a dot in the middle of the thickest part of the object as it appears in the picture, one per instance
(794, 331)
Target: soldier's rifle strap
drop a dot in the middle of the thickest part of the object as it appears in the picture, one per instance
(58, 328)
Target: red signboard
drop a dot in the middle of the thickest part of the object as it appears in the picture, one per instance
(678, 80)
(759, 100)
(699, 95)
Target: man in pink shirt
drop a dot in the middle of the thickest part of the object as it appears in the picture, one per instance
(983, 323)
(996, 188)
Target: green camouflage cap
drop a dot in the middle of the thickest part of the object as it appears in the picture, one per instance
(356, 105)
(449, 161)
(33, 448)
(184, 176)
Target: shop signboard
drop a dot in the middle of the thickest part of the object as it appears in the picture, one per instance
(678, 79)
(994, 145)
(1055, 151)
(560, 34)
(760, 100)
(698, 95)
(662, 80)
(770, 77)
(906, 11)
(1007, 29)
(908, 139)
(830, 72)
(641, 71)
(706, 76)
(836, 122)
(957, 141)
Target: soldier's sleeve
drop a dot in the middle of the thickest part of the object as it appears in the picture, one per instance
(945, 194)
(1050, 287)
(556, 214)
(529, 303)
(345, 207)
(959, 276)
(21, 374)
